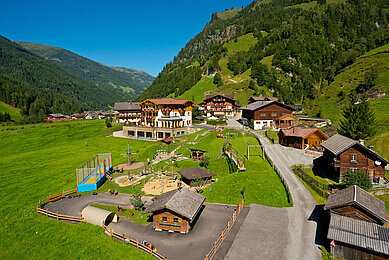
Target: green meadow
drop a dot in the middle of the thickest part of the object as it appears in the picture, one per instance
(40, 160)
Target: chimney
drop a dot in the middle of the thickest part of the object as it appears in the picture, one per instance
(371, 147)
(362, 142)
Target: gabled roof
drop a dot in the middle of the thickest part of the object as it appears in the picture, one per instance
(168, 101)
(182, 201)
(287, 117)
(125, 106)
(300, 131)
(230, 96)
(354, 195)
(261, 98)
(194, 149)
(359, 233)
(57, 115)
(261, 104)
(196, 173)
(337, 144)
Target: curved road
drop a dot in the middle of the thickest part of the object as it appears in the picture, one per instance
(280, 233)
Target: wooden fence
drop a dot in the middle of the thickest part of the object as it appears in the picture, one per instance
(269, 137)
(288, 195)
(319, 187)
(230, 223)
(134, 243)
(56, 215)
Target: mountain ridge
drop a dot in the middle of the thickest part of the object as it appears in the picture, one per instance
(130, 81)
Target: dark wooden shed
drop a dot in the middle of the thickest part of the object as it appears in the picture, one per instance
(176, 210)
(189, 176)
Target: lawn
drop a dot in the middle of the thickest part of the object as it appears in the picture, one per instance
(38, 160)
(138, 217)
(261, 183)
(274, 135)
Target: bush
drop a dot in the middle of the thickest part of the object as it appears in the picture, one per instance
(216, 122)
(359, 178)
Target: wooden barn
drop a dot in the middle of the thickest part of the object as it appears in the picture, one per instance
(301, 137)
(176, 210)
(191, 175)
(356, 224)
(343, 154)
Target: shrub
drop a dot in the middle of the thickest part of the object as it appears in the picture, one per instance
(356, 178)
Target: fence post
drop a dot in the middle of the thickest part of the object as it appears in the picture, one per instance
(57, 215)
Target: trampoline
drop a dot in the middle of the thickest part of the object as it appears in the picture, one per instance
(92, 174)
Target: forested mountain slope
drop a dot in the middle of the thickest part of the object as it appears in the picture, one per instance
(38, 87)
(130, 81)
(300, 46)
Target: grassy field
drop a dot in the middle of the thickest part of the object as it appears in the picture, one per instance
(385, 198)
(274, 135)
(198, 90)
(137, 218)
(243, 43)
(268, 61)
(38, 160)
(262, 185)
(13, 111)
(228, 13)
(304, 6)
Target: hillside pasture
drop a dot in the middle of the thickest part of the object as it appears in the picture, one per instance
(13, 111)
(40, 160)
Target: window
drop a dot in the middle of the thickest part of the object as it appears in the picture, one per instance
(353, 157)
(263, 115)
(273, 114)
(175, 219)
(164, 218)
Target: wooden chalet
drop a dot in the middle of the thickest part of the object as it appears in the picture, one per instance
(220, 106)
(354, 202)
(191, 175)
(196, 154)
(268, 114)
(128, 113)
(176, 210)
(262, 98)
(356, 224)
(301, 137)
(343, 154)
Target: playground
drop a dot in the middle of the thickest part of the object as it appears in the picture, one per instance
(92, 174)
(161, 184)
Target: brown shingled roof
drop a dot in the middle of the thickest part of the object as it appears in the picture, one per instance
(182, 201)
(354, 195)
(229, 96)
(299, 131)
(196, 173)
(169, 101)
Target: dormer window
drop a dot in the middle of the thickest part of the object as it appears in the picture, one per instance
(353, 158)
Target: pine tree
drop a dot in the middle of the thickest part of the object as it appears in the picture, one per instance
(358, 119)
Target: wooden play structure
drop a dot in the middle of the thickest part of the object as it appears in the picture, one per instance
(196, 154)
(233, 157)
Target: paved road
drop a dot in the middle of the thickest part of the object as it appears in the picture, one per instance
(286, 233)
(74, 206)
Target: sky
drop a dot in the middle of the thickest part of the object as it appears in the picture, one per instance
(144, 35)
